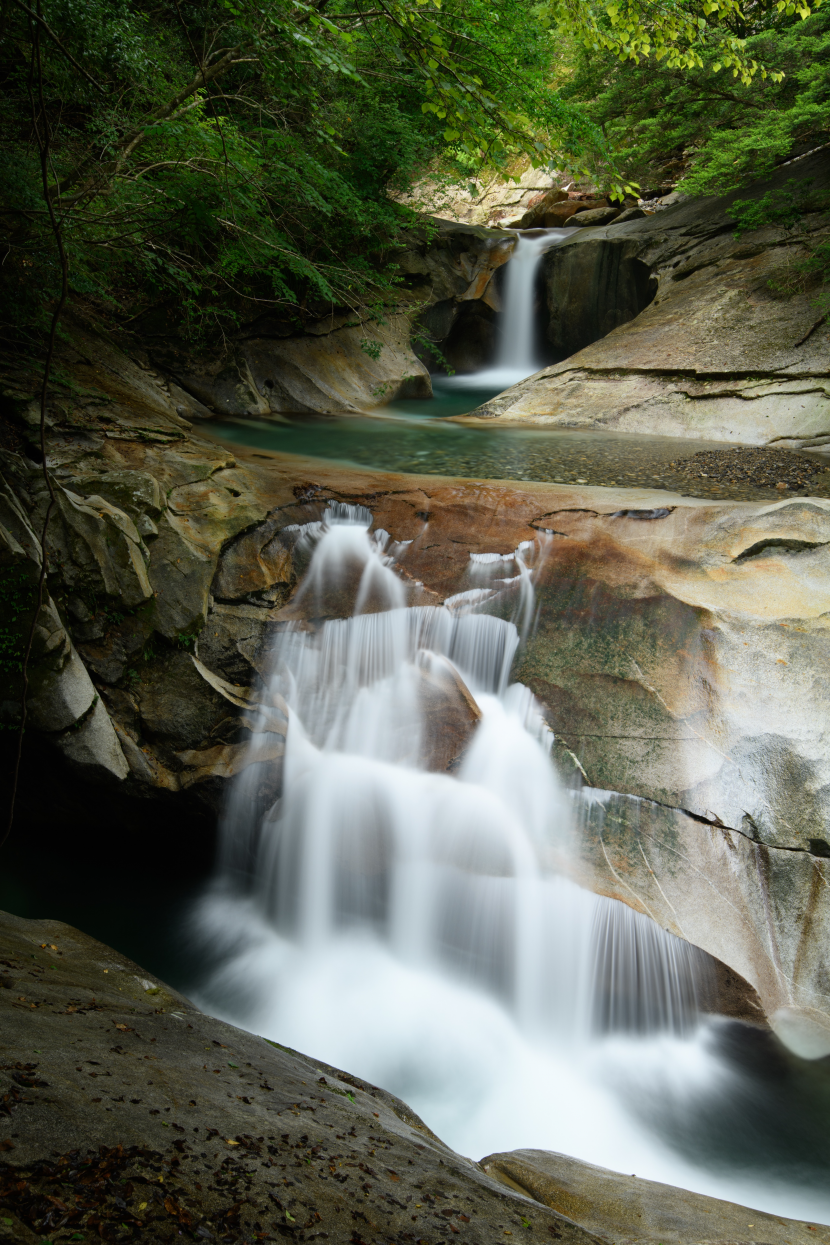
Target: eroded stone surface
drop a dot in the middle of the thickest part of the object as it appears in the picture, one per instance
(680, 652)
(717, 354)
(622, 1208)
(172, 1122)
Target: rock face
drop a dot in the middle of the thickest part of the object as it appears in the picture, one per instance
(348, 362)
(91, 1142)
(717, 353)
(721, 889)
(454, 273)
(621, 1208)
(595, 216)
(592, 289)
(292, 1152)
(339, 366)
(491, 201)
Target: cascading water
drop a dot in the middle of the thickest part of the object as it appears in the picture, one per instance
(448, 872)
(516, 352)
(398, 910)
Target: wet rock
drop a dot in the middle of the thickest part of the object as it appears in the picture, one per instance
(164, 1091)
(717, 352)
(110, 648)
(593, 289)
(621, 1208)
(453, 273)
(181, 574)
(135, 492)
(595, 216)
(338, 366)
(92, 745)
(534, 218)
(177, 708)
(98, 547)
(630, 213)
(253, 563)
(450, 714)
(558, 215)
(736, 903)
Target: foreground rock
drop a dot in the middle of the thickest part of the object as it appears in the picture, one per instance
(674, 326)
(166, 1122)
(130, 1114)
(622, 1208)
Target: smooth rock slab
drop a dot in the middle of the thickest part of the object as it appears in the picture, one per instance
(224, 1134)
(125, 1105)
(717, 354)
(622, 1208)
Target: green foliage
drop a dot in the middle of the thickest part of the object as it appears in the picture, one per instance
(784, 206)
(213, 161)
(371, 348)
(709, 132)
(18, 597)
(18, 600)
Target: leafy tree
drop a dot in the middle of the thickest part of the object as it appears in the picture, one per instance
(715, 132)
(222, 159)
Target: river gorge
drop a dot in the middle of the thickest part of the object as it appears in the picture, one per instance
(463, 729)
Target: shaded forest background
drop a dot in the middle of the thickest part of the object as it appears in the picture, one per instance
(216, 160)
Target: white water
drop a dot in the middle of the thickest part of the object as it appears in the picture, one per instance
(516, 355)
(406, 924)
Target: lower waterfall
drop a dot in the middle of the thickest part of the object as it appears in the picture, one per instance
(399, 910)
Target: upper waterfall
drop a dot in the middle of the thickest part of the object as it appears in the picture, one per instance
(517, 355)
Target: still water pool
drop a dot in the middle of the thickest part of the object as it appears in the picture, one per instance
(419, 436)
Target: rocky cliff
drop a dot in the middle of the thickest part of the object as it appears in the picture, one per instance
(348, 360)
(673, 325)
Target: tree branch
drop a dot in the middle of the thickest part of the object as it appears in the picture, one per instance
(44, 143)
(36, 17)
(127, 144)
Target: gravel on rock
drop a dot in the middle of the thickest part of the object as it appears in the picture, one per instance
(759, 466)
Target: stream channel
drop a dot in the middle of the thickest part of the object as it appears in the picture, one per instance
(408, 924)
(419, 435)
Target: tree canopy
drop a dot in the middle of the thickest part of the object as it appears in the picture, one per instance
(230, 157)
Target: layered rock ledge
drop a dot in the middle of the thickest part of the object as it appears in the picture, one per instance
(674, 326)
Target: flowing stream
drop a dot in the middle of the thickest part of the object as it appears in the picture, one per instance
(516, 349)
(398, 910)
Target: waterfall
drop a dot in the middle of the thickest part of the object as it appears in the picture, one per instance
(373, 841)
(516, 353)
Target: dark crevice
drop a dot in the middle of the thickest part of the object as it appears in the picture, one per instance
(717, 824)
(661, 512)
(778, 543)
(692, 373)
(809, 332)
(818, 847)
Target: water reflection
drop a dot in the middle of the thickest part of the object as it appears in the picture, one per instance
(416, 436)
